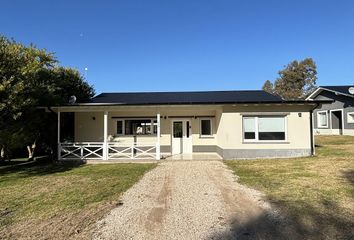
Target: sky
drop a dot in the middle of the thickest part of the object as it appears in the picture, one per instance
(187, 45)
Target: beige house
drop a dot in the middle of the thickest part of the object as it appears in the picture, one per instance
(228, 124)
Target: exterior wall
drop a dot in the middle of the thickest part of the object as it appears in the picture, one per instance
(230, 134)
(340, 103)
(89, 127)
(227, 138)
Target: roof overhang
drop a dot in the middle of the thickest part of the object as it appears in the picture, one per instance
(110, 106)
(320, 89)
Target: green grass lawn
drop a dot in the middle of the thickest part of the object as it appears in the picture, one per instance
(41, 200)
(315, 193)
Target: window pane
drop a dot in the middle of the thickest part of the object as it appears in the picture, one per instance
(322, 119)
(138, 127)
(271, 128)
(249, 124)
(271, 124)
(350, 117)
(249, 127)
(250, 135)
(271, 135)
(177, 129)
(119, 127)
(155, 126)
(206, 127)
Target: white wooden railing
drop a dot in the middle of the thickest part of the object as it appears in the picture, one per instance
(132, 151)
(81, 150)
(95, 150)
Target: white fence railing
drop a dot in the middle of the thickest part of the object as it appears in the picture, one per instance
(95, 150)
(82, 150)
(135, 151)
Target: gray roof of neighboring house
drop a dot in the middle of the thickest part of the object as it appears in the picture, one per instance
(343, 90)
(206, 97)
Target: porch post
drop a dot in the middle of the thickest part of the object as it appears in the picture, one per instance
(105, 136)
(158, 152)
(58, 135)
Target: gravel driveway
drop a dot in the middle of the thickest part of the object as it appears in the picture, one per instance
(191, 200)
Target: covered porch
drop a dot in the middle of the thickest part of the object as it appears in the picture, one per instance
(109, 150)
(137, 133)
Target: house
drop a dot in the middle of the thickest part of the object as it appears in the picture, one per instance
(336, 117)
(230, 124)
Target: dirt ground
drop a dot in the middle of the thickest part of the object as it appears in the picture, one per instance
(192, 200)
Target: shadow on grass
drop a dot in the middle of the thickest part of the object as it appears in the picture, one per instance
(302, 221)
(40, 166)
(349, 175)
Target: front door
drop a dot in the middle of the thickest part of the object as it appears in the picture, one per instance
(181, 136)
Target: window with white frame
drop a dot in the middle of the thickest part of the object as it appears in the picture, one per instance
(322, 119)
(350, 117)
(136, 126)
(264, 128)
(206, 127)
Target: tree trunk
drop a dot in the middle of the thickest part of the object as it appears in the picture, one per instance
(30, 150)
(2, 154)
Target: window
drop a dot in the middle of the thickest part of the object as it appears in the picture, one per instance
(249, 127)
(271, 128)
(206, 127)
(264, 128)
(322, 119)
(350, 117)
(119, 127)
(177, 129)
(136, 127)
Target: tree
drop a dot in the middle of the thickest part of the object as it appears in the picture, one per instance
(31, 77)
(268, 86)
(295, 81)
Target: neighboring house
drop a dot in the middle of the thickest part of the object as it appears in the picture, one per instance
(337, 117)
(232, 124)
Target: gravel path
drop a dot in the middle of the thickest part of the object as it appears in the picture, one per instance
(191, 200)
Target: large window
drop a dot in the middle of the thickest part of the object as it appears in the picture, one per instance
(136, 127)
(322, 119)
(264, 128)
(206, 127)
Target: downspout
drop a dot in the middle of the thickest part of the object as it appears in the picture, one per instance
(313, 149)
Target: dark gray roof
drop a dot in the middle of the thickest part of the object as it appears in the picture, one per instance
(208, 97)
(341, 89)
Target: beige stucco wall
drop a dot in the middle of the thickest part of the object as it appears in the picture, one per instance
(89, 126)
(230, 128)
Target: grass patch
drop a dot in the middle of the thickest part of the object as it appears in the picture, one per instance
(315, 193)
(35, 193)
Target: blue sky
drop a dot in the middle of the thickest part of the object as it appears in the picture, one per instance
(174, 45)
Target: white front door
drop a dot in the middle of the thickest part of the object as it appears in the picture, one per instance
(181, 136)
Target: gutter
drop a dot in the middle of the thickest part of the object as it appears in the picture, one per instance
(304, 102)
